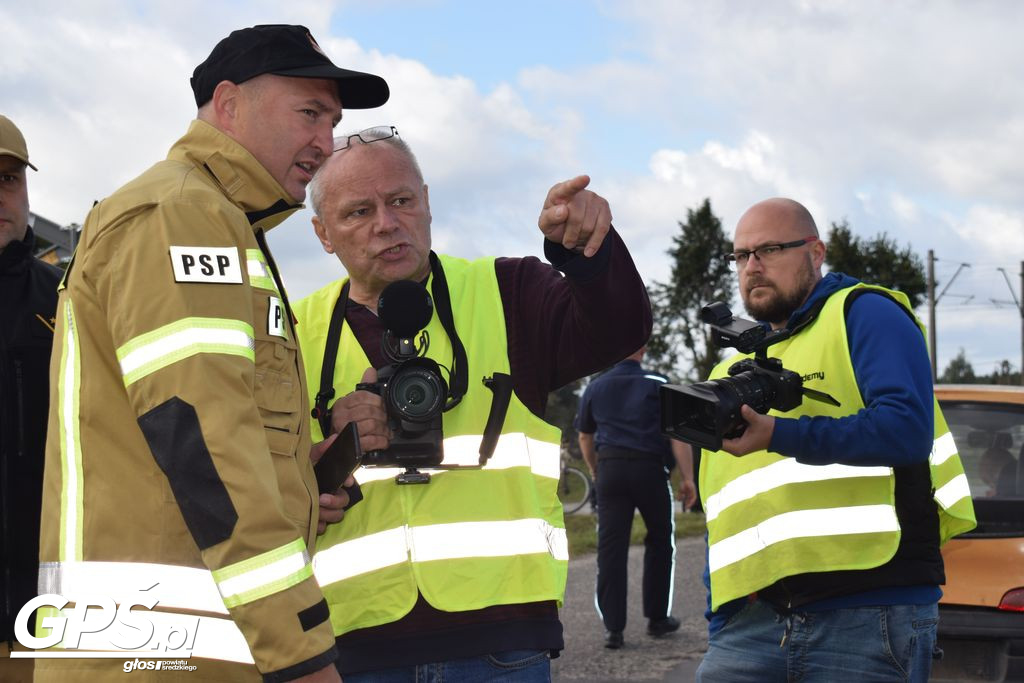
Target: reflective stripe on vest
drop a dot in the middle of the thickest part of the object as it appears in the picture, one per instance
(459, 540)
(859, 519)
(943, 448)
(181, 339)
(512, 450)
(789, 471)
(781, 473)
(953, 491)
(215, 638)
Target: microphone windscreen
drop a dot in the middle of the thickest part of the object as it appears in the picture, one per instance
(405, 308)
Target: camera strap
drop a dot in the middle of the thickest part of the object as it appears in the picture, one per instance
(809, 316)
(459, 380)
(320, 411)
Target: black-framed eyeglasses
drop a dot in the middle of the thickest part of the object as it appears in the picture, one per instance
(375, 134)
(768, 253)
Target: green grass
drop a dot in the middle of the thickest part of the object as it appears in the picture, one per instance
(582, 530)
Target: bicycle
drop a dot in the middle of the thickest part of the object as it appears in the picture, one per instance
(574, 487)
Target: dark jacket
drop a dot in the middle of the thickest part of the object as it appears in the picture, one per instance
(622, 408)
(28, 300)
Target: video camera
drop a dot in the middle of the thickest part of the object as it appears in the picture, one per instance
(413, 390)
(706, 412)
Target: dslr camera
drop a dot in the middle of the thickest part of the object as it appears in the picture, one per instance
(706, 412)
(413, 390)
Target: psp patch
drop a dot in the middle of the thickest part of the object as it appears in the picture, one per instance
(275, 318)
(206, 264)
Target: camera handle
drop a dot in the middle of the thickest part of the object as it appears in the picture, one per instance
(500, 385)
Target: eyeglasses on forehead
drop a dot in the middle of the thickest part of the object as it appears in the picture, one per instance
(366, 136)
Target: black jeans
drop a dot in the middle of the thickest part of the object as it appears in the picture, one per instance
(625, 484)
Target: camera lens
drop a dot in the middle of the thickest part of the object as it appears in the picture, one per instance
(751, 388)
(416, 393)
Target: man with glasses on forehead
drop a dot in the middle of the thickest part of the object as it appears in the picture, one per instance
(459, 578)
(823, 530)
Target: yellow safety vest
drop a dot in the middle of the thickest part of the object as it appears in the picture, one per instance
(770, 517)
(470, 538)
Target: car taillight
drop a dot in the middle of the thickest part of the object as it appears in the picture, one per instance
(1013, 601)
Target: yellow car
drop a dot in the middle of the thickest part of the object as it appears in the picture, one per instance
(981, 614)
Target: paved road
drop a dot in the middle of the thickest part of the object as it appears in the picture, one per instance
(672, 658)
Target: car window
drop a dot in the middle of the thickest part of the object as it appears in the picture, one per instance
(990, 439)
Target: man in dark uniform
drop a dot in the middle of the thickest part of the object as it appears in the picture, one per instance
(28, 299)
(630, 460)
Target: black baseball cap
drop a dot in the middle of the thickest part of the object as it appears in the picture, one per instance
(284, 50)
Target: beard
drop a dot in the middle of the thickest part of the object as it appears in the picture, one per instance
(777, 308)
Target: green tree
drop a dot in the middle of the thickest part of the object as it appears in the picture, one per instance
(877, 261)
(700, 275)
(959, 371)
(1005, 373)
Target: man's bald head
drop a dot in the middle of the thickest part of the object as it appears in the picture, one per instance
(781, 212)
(774, 283)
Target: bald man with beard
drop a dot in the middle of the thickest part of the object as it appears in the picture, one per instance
(823, 528)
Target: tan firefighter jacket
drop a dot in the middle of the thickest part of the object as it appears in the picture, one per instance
(177, 460)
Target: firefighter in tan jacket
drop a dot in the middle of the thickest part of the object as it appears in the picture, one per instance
(178, 474)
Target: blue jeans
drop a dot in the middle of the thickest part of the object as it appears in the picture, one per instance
(525, 666)
(859, 644)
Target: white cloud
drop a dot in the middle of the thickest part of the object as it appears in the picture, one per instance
(904, 207)
(998, 230)
(924, 91)
(648, 207)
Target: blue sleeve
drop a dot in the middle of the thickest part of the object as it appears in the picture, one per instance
(584, 415)
(895, 428)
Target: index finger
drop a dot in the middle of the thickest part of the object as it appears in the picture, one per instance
(566, 190)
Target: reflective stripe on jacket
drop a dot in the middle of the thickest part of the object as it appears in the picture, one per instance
(770, 516)
(470, 538)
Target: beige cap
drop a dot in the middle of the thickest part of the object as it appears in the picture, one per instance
(12, 142)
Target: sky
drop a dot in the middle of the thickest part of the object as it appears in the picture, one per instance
(904, 118)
